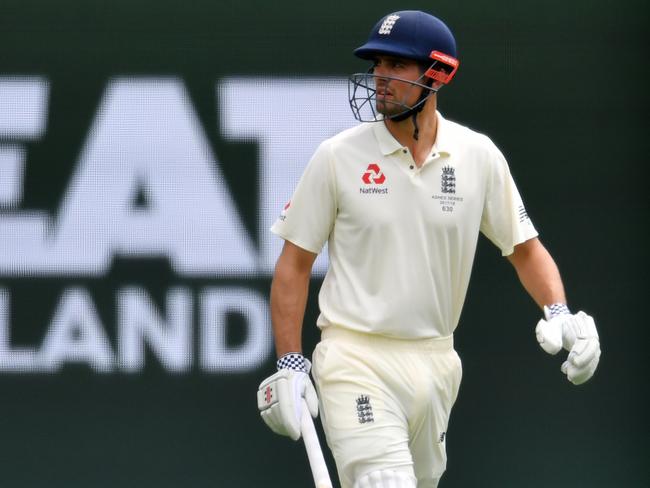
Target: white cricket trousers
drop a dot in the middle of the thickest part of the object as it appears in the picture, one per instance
(385, 403)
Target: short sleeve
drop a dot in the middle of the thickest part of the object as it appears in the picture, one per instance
(308, 218)
(505, 221)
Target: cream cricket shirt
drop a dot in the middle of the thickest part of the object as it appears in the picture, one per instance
(402, 239)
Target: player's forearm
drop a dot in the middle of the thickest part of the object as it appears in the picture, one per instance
(538, 273)
(289, 291)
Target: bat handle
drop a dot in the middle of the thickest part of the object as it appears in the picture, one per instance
(314, 452)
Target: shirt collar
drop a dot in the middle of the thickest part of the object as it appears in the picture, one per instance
(388, 144)
(443, 142)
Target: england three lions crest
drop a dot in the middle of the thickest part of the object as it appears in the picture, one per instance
(448, 180)
(447, 197)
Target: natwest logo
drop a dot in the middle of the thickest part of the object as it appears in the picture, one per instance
(374, 180)
(373, 175)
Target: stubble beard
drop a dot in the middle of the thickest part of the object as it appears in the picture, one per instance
(394, 107)
(389, 108)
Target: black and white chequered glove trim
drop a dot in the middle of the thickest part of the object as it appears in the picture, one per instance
(295, 361)
(556, 309)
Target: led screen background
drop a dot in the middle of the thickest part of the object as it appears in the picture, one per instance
(145, 148)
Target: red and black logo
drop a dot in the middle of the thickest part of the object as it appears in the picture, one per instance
(373, 175)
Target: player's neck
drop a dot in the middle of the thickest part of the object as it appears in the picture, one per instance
(404, 132)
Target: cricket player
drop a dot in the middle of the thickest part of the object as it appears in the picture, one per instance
(400, 199)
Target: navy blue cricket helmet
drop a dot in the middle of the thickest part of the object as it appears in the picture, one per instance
(410, 34)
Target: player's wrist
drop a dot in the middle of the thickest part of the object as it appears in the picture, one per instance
(555, 310)
(295, 361)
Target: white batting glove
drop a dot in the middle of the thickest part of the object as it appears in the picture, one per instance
(279, 397)
(577, 334)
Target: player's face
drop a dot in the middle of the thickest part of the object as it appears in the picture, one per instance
(394, 96)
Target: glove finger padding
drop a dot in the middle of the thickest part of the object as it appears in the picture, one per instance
(584, 351)
(584, 354)
(279, 399)
(578, 375)
(578, 326)
(311, 398)
(303, 388)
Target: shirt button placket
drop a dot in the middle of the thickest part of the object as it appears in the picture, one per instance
(411, 166)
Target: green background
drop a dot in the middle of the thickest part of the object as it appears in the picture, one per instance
(560, 86)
